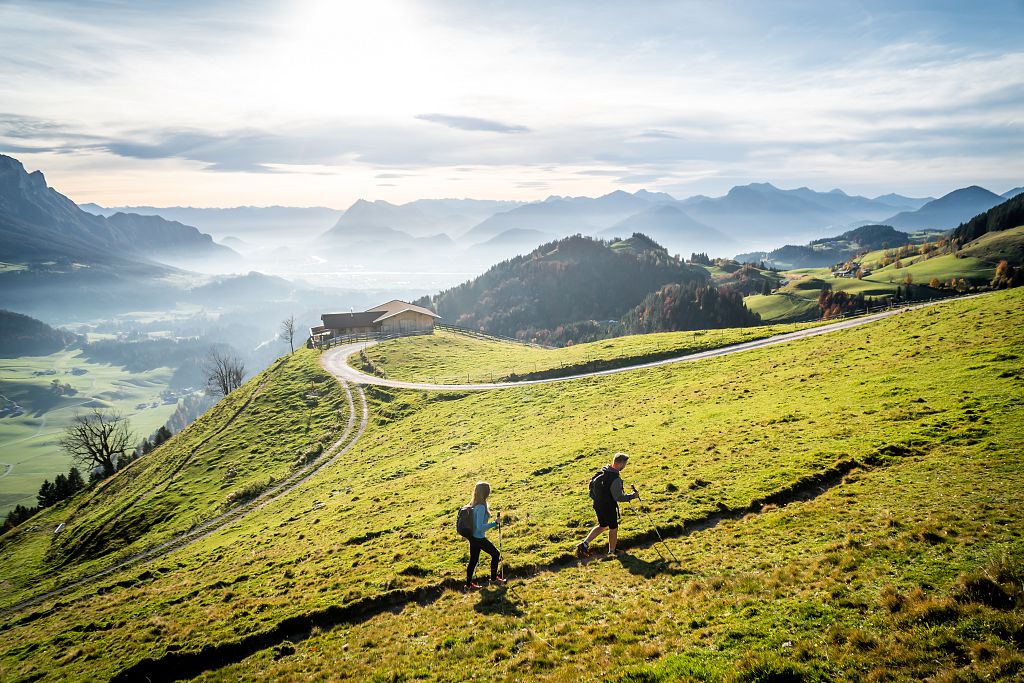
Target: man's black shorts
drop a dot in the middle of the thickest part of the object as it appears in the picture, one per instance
(607, 515)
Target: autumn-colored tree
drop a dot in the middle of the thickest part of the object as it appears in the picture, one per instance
(1007, 276)
(834, 304)
(934, 283)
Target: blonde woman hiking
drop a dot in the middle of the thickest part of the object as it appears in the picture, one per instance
(478, 512)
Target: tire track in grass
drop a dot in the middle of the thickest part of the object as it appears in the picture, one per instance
(182, 665)
(348, 439)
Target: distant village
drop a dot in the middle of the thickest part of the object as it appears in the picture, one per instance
(850, 269)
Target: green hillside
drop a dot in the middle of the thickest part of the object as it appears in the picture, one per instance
(454, 358)
(974, 262)
(996, 246)
(941, 267)
(555, 293)
(21, 335)
(842, 507)
(798, 298)
(783, 306)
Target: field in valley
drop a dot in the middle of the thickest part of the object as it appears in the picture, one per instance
(28, 441)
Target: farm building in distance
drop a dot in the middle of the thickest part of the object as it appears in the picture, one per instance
(394, 317)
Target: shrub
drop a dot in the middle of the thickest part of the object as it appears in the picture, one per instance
(247, 493)
(980, 588)
(1007, 568)
(769, 668)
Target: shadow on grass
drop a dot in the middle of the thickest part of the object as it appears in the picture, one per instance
(496, 601)
(634, 565)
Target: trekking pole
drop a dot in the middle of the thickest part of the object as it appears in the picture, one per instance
(501, 554)
(641, 520)
(655, 527)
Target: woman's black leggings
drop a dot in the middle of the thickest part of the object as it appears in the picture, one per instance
(475, 546)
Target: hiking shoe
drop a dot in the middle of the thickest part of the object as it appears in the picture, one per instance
(473, 586)
(582, 550)
(500, 581)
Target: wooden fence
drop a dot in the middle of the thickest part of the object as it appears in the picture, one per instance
(364, 337)
(484, 335)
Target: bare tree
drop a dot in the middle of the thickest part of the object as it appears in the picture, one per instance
(98, 439)
(224, 372)
(288, 331)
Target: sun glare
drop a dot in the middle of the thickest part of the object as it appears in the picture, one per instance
(352, 58)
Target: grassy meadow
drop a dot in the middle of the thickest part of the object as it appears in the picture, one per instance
(783, 306)
(843, 507)
(995, 246)
(28, 442)
(452, 358)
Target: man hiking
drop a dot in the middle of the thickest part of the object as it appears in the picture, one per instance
(606, 490)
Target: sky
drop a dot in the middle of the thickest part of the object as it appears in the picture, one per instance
(322, 102)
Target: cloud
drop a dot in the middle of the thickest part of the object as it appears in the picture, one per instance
(8, 148)
(658, 135)
(640, 178)
(472, 123)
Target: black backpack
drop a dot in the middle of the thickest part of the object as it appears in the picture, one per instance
(601, 484)
(464, 523)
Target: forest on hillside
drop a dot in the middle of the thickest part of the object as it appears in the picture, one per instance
(21, 335)
(1009, 214)
(580, 289)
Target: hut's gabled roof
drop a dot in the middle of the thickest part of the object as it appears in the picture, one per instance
(397, 306)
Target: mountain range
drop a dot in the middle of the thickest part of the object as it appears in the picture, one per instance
(38, 224)
(948, 211)
(249, 225)
(746, 216)
(434, 234)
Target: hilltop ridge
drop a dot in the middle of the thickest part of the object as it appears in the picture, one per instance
(559, 291)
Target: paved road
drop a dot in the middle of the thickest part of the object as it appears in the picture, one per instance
(336, 360)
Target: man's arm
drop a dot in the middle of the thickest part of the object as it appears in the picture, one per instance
(616, 492)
